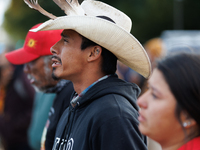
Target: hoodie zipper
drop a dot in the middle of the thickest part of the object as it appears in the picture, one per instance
(68, 128)
(67, 134)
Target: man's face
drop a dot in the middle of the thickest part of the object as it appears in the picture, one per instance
(39, 73)
(68, 58)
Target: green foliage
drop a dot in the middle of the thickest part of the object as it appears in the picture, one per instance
(19, 18)
(149, 17)
(192, 14)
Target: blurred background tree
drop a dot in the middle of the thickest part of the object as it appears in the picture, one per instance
(19, 18)
(149, 17)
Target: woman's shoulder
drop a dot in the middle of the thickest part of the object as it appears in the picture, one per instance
(193, 144)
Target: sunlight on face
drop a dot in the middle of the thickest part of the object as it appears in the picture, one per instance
(157, 110)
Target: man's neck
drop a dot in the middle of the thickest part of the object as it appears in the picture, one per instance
(81, 86)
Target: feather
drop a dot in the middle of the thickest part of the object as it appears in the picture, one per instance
(70, 7)
(34, 5)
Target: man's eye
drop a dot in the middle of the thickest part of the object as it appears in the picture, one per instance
(65, 40)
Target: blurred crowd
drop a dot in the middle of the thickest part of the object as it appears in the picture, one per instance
(16, 104)
(155, 50)
(61, 90)
(18, 99)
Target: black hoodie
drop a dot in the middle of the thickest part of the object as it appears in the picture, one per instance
(104, 119)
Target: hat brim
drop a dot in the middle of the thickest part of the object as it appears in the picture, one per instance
(121, 43)
(20, 56)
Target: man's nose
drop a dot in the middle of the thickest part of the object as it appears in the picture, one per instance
(53, 49)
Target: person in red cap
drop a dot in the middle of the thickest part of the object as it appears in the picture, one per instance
(36, 57)
(34, 54)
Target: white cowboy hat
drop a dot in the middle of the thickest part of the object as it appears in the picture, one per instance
(115, 37)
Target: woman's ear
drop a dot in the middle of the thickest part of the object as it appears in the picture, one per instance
(95, 53)
(191, 128)
(187, 121)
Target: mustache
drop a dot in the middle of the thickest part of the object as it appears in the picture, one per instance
(56, 57)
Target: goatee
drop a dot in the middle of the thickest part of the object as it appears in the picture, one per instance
(54, 76)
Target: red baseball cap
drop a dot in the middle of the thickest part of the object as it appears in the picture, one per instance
(36, 44)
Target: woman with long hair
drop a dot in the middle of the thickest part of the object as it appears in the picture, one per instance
(170, 109)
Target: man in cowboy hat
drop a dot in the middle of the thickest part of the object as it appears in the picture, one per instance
(103, 112)
(53, 96)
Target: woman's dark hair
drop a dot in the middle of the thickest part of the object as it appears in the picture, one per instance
(182, 74)
(109, 63)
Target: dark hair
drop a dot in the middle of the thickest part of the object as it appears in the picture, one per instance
(109, 63)
(182, 74)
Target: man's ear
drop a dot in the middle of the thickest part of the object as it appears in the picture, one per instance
(95, 53)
